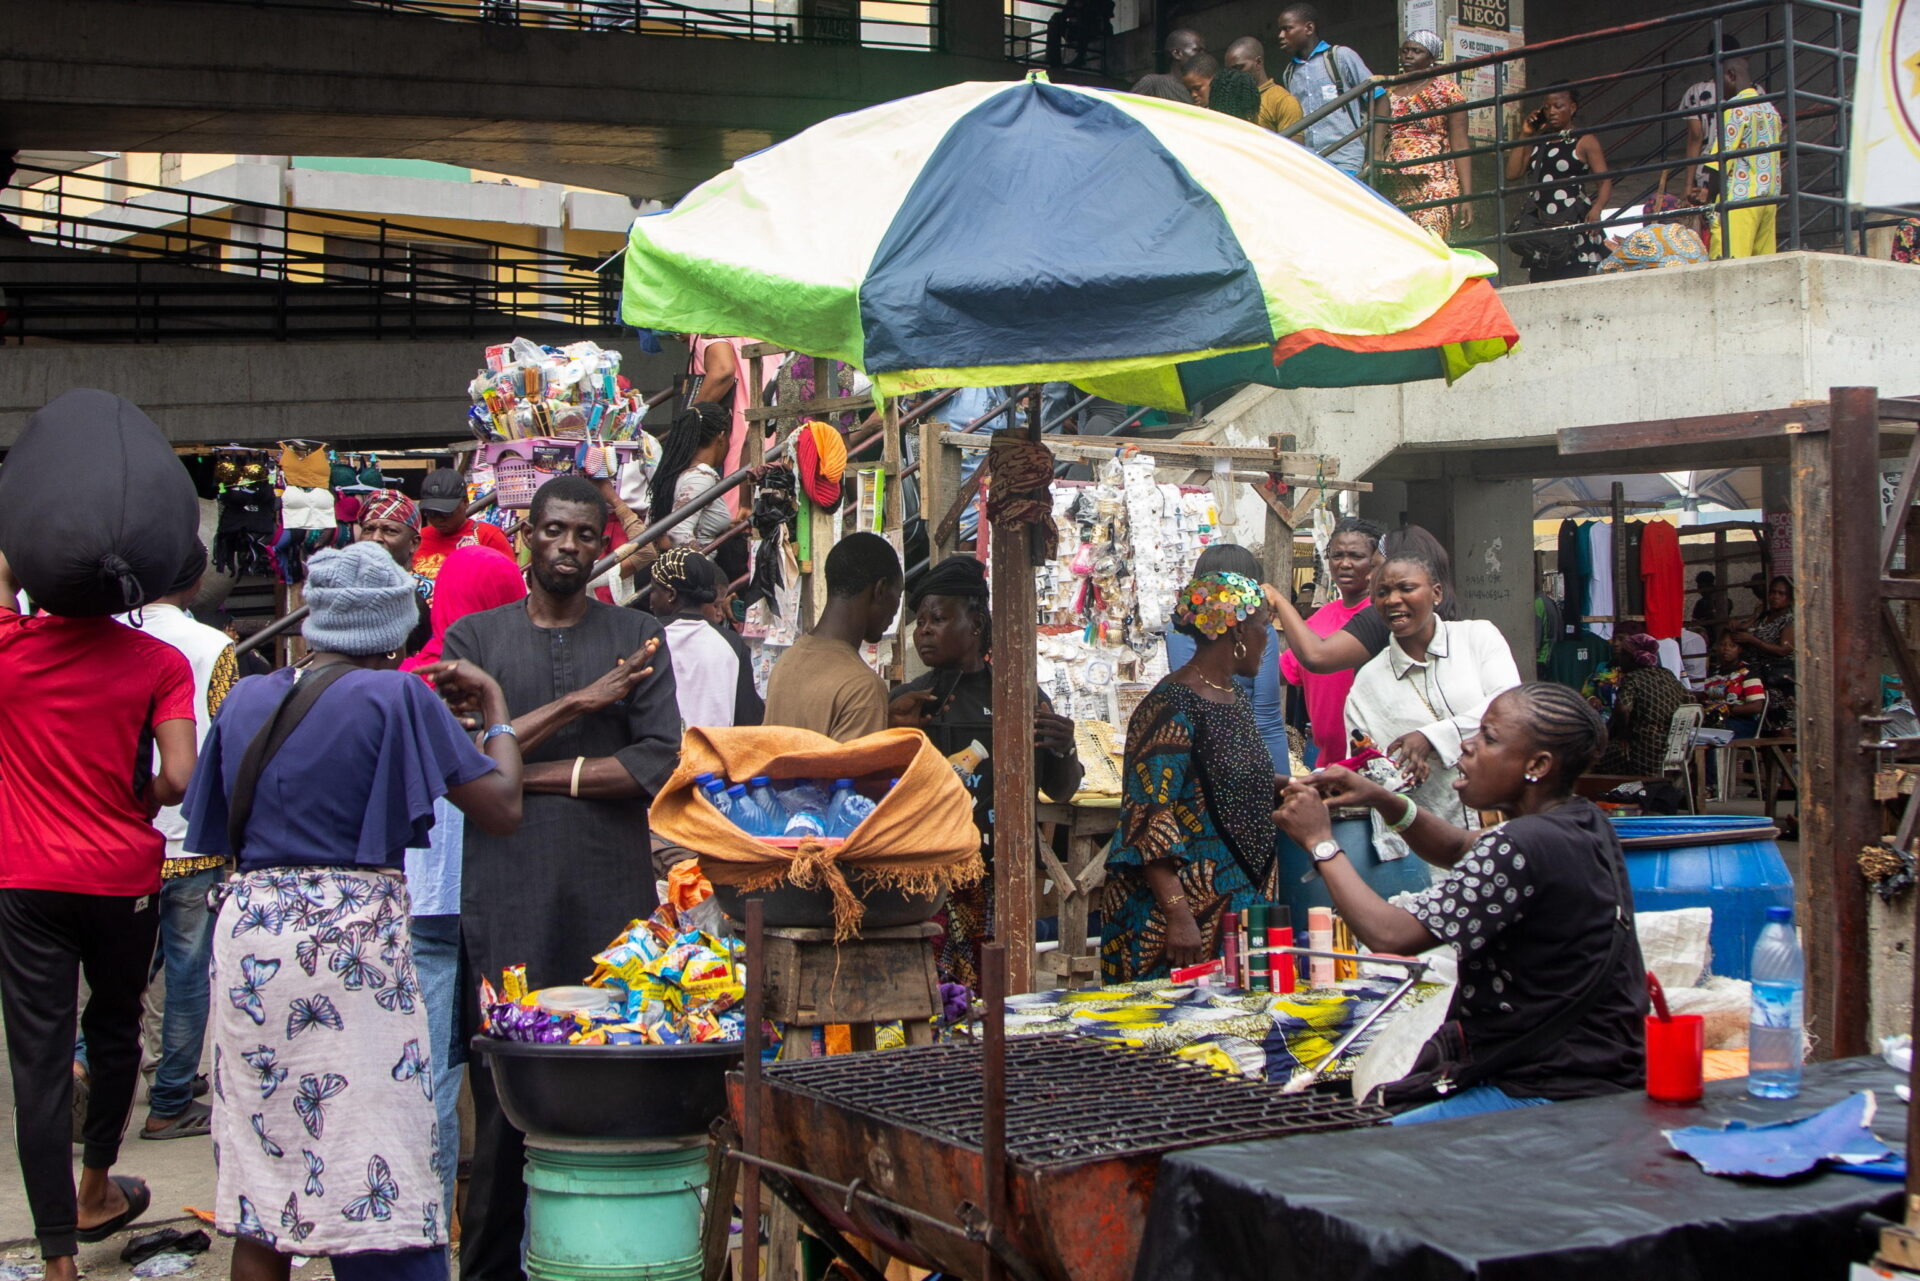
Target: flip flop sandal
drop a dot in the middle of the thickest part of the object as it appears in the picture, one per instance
(139, 1197)
(197, 1120)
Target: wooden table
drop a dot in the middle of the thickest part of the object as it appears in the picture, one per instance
(1089, 826)
(1776, 759)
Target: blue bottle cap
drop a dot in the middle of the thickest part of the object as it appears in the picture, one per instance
(715, 785)
(843, 782)
(761, 780)
(703, 779)
(1784, 915)
(738, 789)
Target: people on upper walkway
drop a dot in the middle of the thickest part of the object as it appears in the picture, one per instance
(1670, 237)
(1745, 124)
(1408, 176)
(1223, 89)
(1317, 73)
(1566, 172)
(1184, 44)
(1279, 110)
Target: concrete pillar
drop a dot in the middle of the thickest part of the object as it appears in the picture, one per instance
(1490, 536)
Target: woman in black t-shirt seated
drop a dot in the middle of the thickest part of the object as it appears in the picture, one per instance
(1538, 908)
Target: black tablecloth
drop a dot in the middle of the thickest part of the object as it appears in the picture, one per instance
(1579, 1190)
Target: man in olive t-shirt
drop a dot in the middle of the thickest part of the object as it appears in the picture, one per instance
(821, 683)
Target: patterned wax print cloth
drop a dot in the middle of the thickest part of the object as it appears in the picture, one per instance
(323, 1119)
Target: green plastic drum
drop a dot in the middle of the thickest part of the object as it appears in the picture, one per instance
(616, 1153)
(615, 1216)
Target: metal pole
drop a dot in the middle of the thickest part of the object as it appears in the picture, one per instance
(1793, 136)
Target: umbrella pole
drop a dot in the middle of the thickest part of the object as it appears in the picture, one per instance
(1015, 658)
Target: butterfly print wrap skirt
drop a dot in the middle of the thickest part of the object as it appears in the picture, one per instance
(323, 1116)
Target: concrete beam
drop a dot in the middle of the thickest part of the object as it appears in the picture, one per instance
(641, 115)
(360, 393)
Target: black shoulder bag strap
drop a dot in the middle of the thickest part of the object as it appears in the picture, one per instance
(273, 735)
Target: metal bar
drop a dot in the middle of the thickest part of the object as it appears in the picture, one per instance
(756, 998)
(993, 1126)
(823, 1228)
(1833, 553)
(1792, 138)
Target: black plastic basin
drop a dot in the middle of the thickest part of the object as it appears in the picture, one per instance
(792, 908)
(609, 1093)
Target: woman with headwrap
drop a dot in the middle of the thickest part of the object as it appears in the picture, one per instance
(1644, 702)
(953, 634)
(1410, 177)
(712, 670)
(1196, 834)
(471, 579)
(1670, 238)
(323, 1052)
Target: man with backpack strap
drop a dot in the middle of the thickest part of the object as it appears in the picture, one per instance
(1316, 73)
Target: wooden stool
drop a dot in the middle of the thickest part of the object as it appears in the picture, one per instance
(1075, 882)
(881, 976)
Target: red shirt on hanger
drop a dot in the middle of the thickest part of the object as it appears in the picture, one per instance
(1662, 572)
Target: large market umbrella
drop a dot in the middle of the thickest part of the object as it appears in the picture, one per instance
(993, 233)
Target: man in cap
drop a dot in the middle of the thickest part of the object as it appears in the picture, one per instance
(80, 700)
(173, 1109)
(591, 690)
(447, 527)
(390, 518)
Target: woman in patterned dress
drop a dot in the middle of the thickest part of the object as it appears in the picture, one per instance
(1643, 708)
(1407, 142)
(1196, 826)
(1564, 163)
(323, 1115)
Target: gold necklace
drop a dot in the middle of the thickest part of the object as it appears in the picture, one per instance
(1224, 689)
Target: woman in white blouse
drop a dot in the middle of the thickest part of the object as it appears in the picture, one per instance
(1423, 695)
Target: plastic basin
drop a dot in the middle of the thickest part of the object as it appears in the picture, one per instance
(565, 1095)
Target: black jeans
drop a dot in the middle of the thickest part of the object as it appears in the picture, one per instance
(496, 1217)
(47, 938)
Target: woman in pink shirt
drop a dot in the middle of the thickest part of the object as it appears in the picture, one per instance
(1352, 555)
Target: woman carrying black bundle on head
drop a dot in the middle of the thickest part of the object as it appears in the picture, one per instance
(691, 455)
(1552, 986)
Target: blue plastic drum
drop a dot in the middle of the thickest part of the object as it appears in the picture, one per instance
(1355, 836)
(1731, 865)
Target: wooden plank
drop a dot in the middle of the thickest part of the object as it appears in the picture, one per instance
(1104, 447)
(1833, 549)
(1896, 515)
(1900, 409)
(1900, 588)
(1015, 698)
(1704, 430)
(939, 480)
(823, 407)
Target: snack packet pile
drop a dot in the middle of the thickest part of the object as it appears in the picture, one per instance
(665, 985)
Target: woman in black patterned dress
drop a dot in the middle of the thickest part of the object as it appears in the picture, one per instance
(1570, 162)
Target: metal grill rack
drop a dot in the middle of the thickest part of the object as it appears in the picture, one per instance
(1068, 1099)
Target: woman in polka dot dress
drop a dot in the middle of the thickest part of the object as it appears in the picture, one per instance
(1574, 167)
(1533, 906)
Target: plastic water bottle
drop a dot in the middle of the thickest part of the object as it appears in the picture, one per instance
(806, 809)
(701, 780)
(847, 809)
(1775, 1042)
(716, 791)
(760, 792)
(745, 815)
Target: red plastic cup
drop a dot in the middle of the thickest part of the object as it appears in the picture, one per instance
(1676, 1048)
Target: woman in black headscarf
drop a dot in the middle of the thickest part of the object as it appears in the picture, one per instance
(712, 669)
(953, 634)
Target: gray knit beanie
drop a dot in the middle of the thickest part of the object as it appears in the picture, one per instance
(362, 602)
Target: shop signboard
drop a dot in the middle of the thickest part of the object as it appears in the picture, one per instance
(1483, 82)
(1885, 167)
(1493, 15)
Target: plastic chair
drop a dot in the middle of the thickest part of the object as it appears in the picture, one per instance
(1680, 732)
(1730, 760)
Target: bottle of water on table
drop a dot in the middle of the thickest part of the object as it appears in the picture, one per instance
(1775, 1041)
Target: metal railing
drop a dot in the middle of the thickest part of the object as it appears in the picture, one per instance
(1060, 34)
(111, 259)
(1802, 55)
(877, 24)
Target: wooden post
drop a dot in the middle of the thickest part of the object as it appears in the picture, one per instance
(1015, 654)
(939, 478)
(1276, 553)
(1834, 474)
(893, 518)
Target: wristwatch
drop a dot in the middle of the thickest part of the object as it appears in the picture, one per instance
(1325, 850)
